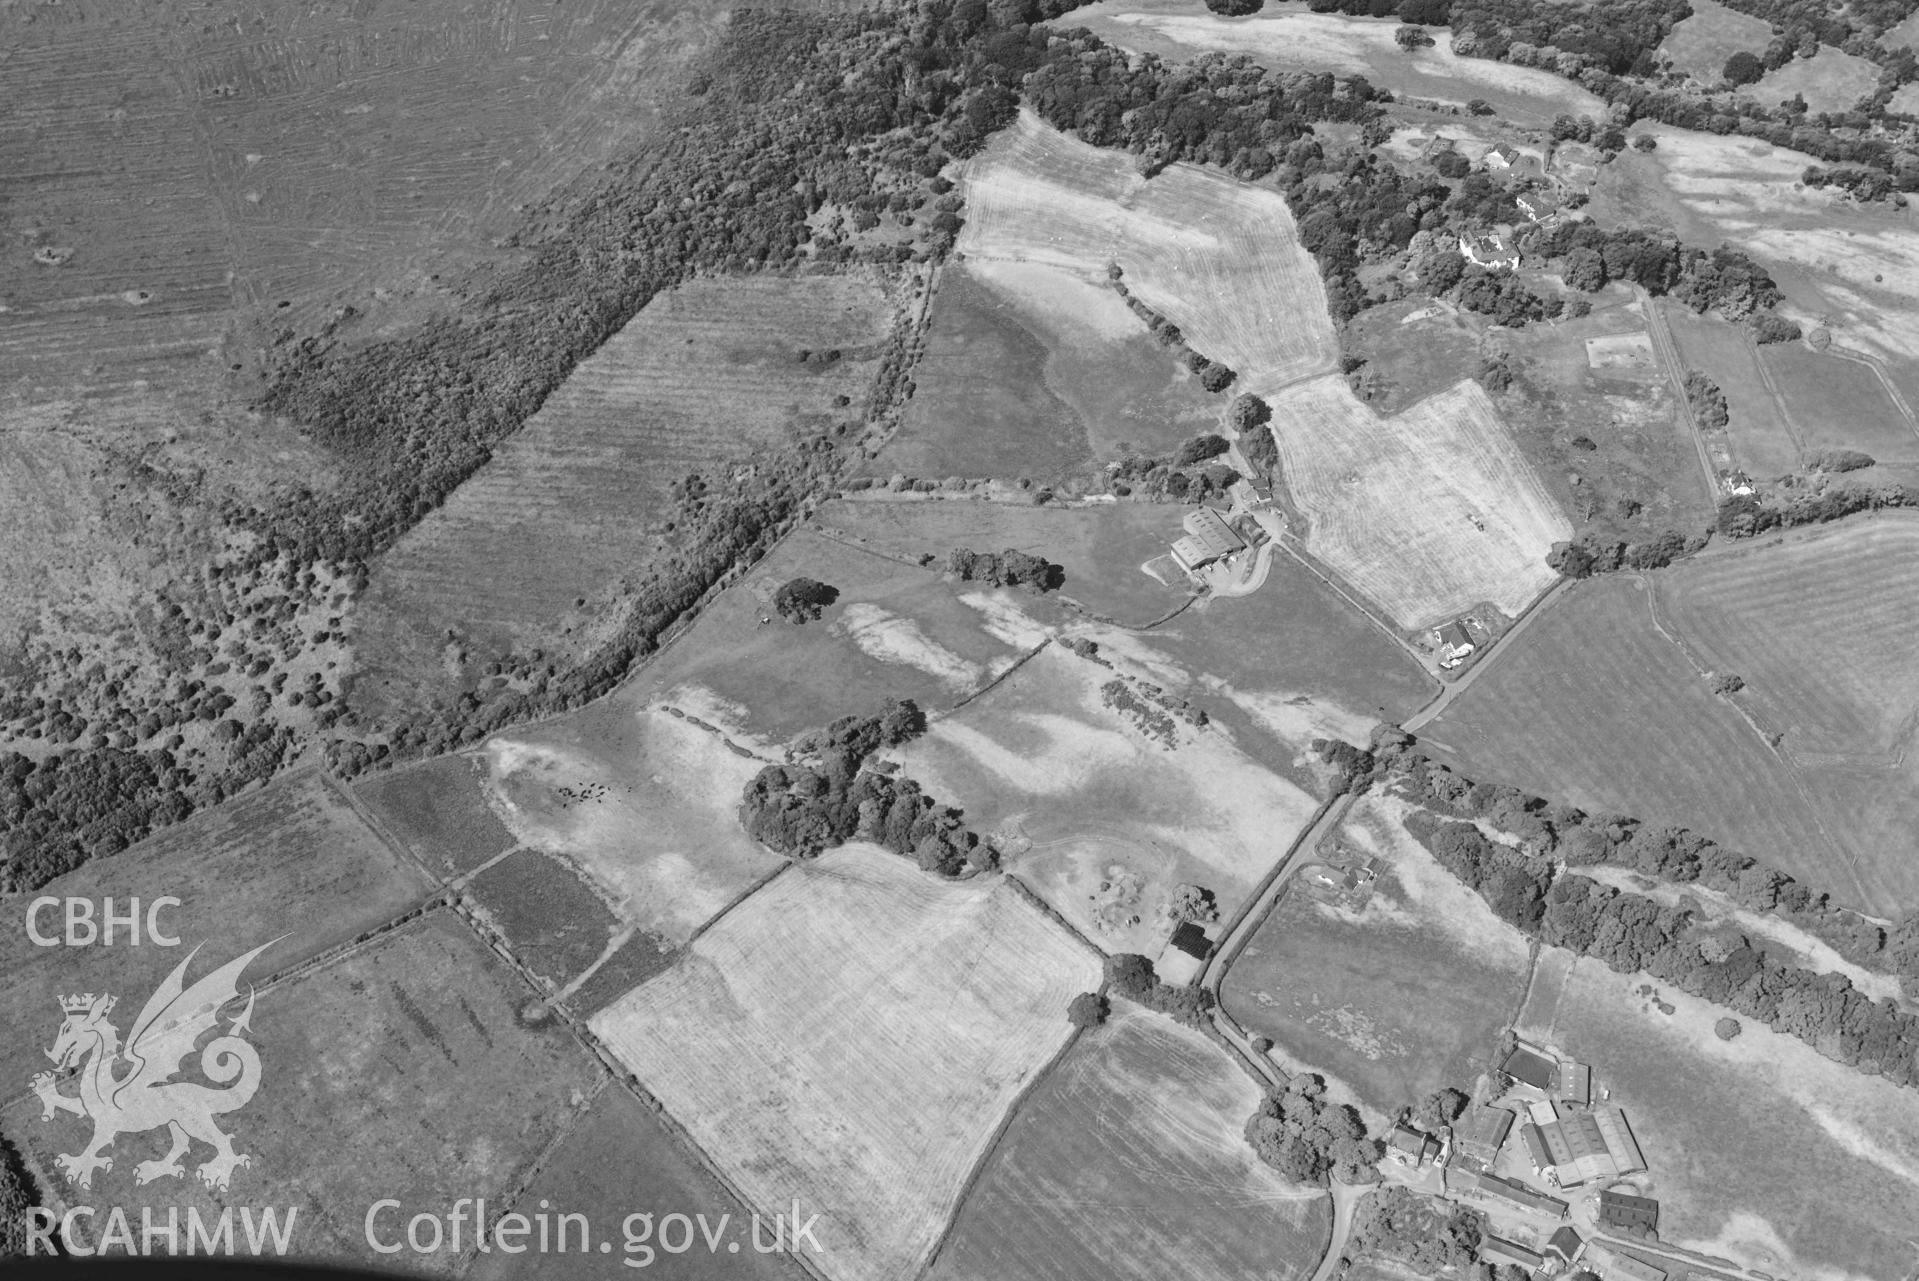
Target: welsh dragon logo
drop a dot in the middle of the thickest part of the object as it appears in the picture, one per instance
(130, 1089)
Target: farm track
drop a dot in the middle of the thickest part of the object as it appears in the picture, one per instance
(1675, 376)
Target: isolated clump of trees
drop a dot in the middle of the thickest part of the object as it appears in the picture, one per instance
(1707, 402)
(1429, 1236)
(1088, 1009)
(1307, 1138)
(1009, 568)
(1132, 976)
(803, 809)
(1523, 885)
(801, 600)
(1838, 460)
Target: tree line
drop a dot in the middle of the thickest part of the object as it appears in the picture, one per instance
(1009, 568)
(1524, 886)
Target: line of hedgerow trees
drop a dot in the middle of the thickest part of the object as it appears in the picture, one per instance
(1630, 932)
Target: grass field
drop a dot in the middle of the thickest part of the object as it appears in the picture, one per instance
(1220, 258)
(1700, 45)
(1129, 1163)
(641, 803)
(1396, 1000)
(1594, 706)
(619, 1161)
(897, 631)
(1426, 513)
(1829, 81)
(415, 1039)
(556, 925)
(202, 173)
(289, 859)
(529, 552)
(1289, 38)
(1839, 403)
(1032, 371)
(1840, 1208)
(439, 809)
(1100, 819)
(1757, 434)
(1101, 548)
(851, 1035)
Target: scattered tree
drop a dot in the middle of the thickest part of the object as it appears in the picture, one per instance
(1743, 68)
(800, 600)
(1088, 1009)
(1236, 8)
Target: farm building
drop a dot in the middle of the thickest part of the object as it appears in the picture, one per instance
(1577, 1147)
(1455, 644)
(1622, 1210)
(1506, 1193)
(1575, 1082)
(1501, 158)
(1491, 251)
(1208, 537)
(1565, 1244)
(1482, 1132)
(1528, 1066)
(1495, 1251)
(1614, 1265)
(1191, 939)
(1537, 205)
(1409, 1146)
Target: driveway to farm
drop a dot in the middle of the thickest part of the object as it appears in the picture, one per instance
(1345, 1198)
(1448, 693)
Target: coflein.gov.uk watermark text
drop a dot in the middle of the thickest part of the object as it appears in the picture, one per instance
(643, 1236)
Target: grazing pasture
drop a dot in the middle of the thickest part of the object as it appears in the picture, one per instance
(291, 859)
(402, 1070)
(1839, 403)
(1428, 512)
(556, 925)
(1757, 435)
(1289, 38)
(1102, 547)
(1829, 81)
(1838, 1209)
(852, 1035)
(643, 804)
(1394, 1000)
(439, 809)
(529, 553)
(619, 1160)
(1596, 706)
(896, 631)
(1102, 818)
(1220, 258)
(1129, 1163)
(1699, 45)
(200, 172)
(1034, 371)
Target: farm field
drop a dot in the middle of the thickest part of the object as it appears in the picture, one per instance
(1830, 81)
(1838, 1209)
(896, 631)
(1839, 403)
(1129, 1163)
(1700, 45)
(641, 804)
(290, 859)
(1848, 719)
(1406, 995)
(556, 925)
(439, 809)
(529, 553)
(619, 1160)
(1593, 706)
(1101, 547)
(1289, 38)
(1757, 434)
(1031, 371)
(1426, 513)
(1240, 288)
(852, 1035)
(416, 1038)
(1849, 269)
(1290, 663)
(287, 168)
(1100, 819)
